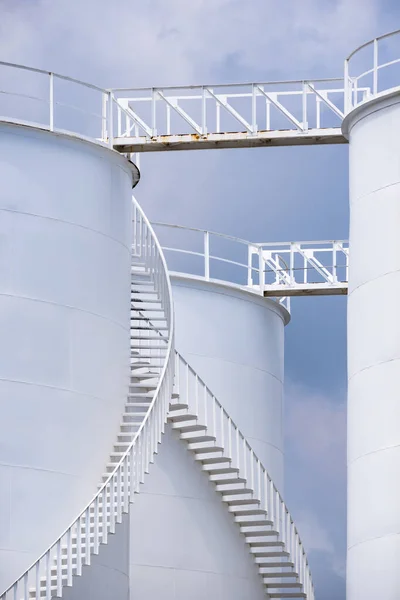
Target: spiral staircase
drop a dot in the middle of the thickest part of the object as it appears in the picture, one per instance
(165, 391)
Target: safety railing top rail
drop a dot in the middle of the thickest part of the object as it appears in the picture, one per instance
(56, 102)
(282, 268)
(133, 463)
(381, 56)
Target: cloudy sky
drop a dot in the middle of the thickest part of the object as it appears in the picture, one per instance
(258, 194)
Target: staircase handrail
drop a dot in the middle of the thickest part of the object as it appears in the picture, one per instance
(260, 480)
(163, 390)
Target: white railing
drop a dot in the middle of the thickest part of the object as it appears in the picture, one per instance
(271, 269)
(149, 113)
(382, 58)
(200, 400)
(57, 103)
(74, 547)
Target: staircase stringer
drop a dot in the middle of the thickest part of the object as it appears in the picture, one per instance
(244, 484)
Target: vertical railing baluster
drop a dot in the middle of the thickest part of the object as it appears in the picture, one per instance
(375, 71)
(79, 545)
(95, 528)
(48, 576)
(51, 101)
(207, 255)
(119, 496)
(69, 555)
(59, 570)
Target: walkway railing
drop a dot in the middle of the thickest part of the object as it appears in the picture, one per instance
(74, 547)
(204, 116)
(381, 56)
(271, 269)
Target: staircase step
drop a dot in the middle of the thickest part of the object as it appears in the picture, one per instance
(212, 460)
(257, 532)
(149, 375)
(240, 501)
(268, 553)
(194, 438)
(186, 427)
(226, 480)
(244, 510)
(219, 470)
(176, 418)
(231, 491)
(156, 337)
(205, 449)
(278, 574)
(285, 584)
(276, 564)
(265, 544)
(155, 328)
(290, 595)
(143, 385)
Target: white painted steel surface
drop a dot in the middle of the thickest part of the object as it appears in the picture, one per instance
(374, 351)
(64, 318)
(234, 341)
(184, 542)
(75, 546)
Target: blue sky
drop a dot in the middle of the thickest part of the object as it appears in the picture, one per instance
(258, 194)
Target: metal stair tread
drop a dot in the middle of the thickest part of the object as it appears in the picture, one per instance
(288, 595)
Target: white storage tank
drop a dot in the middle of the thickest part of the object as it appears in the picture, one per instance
(65, 235)
(184, 542)
(374, 351)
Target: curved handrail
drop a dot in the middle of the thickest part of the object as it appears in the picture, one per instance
(354, 95)
(213, 415)
(135, 459)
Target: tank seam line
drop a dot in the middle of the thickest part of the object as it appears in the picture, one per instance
(250, 437)
(377, 537)
(54, 387)
(378, 364)
(235, 363)
(137, 564)
(372, 192)
(373, 280)
(41, 469)
(71, 223)
(68, 306)
(373, 452)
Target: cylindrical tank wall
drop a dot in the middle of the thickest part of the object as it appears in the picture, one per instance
(374, 352)
(65, 234)
(234, 341)
(184, 543)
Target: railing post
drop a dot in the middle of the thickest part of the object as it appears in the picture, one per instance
(334, 260)
(51, 101)
(304, 102)
(249, 265)
(104, 117)
(253, 109)
(153, 113)
(110, 120)
(261, 270)
(203, 112)
(347, 90)
(207, 255)
(291, 264)
(375, 73)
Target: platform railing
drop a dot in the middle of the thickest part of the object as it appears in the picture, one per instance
(251, 107)
(275, 269)
(381, 56)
